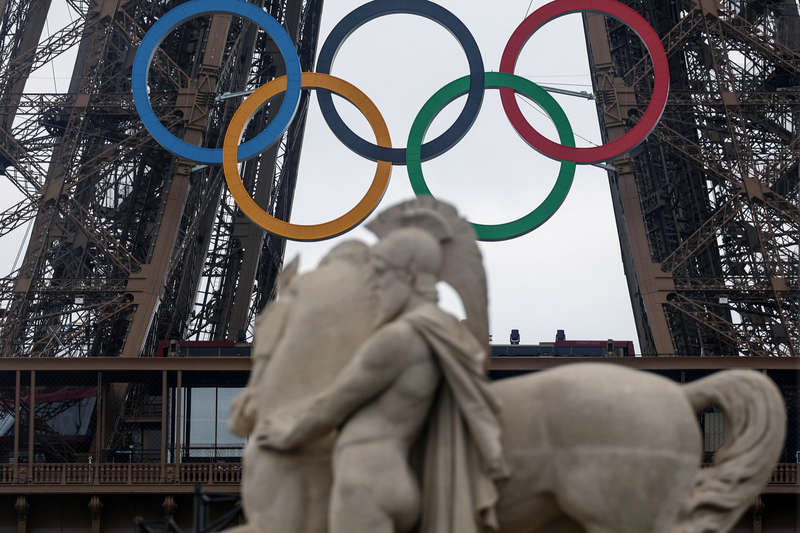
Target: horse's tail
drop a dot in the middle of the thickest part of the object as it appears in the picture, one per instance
(755, 426)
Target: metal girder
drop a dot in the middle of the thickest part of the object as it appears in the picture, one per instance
(674, 41)
(713, 165)
(718, 177)
(20, 29)
(22, 170)
(751, 35)
(96, 231)
(45, 51)
(216, 312)
(121, 248)
(17, 215)
(745, 338)
(704, 236)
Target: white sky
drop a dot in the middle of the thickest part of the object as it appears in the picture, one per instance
(565, 275)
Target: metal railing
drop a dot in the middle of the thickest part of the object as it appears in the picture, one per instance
(192, 473)
(199, 453)
(124, 474)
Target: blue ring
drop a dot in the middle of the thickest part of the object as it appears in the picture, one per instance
(196, 8)
(434, 12)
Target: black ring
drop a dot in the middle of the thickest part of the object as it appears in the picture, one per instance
(429, 10)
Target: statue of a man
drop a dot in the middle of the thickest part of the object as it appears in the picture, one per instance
(421, 374)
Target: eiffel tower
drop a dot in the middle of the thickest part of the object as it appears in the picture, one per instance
(707, 207)
(129, 244)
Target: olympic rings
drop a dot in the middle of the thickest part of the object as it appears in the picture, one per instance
(316, 232)
(434, 12)
(382, 152)
(196, 8)
(639, 132)
(453, 90)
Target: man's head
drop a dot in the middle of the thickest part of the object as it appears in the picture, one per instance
(406, 264)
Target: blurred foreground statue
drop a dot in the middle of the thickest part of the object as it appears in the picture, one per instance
(369, 411)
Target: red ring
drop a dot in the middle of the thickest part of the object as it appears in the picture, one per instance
(639, 132)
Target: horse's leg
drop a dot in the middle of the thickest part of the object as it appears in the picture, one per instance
(286, 493)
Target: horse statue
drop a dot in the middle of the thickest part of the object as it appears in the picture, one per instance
(589, 448)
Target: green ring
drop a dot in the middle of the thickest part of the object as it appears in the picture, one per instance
(494, 80)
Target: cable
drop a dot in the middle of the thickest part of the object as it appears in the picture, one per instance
(560, 76)
(528, 10)
(22, 245)
(545, 114)
(52, 66)
(562, 84)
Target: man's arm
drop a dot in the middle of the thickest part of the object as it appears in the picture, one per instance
(374, 367)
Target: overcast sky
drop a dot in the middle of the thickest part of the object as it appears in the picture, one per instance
(565, 275)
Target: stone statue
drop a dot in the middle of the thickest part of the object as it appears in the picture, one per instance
(331, 305)
(405, 433)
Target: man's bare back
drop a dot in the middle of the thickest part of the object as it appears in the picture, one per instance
(401, 408)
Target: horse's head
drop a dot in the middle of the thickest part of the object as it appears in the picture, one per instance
(326, 314)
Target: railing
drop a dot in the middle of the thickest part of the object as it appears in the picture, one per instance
(784, 474)
(124, 474)
(210, 473)
(211, 452)
(6, 473)
(192, 473)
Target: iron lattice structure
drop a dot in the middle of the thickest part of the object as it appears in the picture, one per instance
(707, 207)
(129, 244)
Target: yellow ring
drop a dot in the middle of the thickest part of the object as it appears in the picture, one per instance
(298, 232)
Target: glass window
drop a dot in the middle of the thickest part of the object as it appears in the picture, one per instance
(224, 436)
(206, 415)
(202, 406)
(69, 419)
